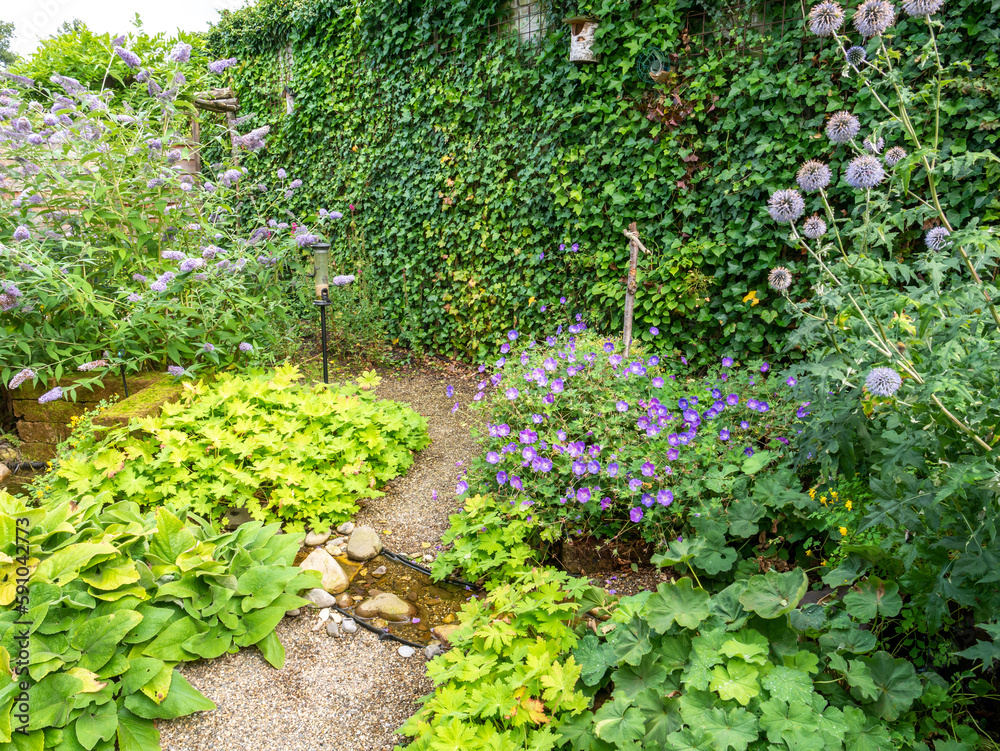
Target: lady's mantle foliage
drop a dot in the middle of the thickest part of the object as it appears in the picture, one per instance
(283, 451)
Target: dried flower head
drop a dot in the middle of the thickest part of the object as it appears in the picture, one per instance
(864, 172)
(842, 127)
(813, 175)
(780, 279)
(826, 18)
(895, 155)
(874, 147)
(883, 381)
(920, 8)
(937, 238)
(873, 17)
(785, 206)
(856, 56)
(814, 227)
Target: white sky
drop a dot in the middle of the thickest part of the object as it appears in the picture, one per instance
(38, 19)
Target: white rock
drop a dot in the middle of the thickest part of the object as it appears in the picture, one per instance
(431, 651)
(349, 626)
(428, 558)
(345, 529)
(405, 651)
(324, 615)
(364, 544)
(315, 539)
(319, 598)
(332, 629)
(334, 578)
(337, 617)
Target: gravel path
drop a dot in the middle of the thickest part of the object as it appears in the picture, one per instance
(350, 693)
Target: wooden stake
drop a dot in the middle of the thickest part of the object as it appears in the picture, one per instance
(630, 285)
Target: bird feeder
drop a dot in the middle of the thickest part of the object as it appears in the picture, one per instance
(583, 29)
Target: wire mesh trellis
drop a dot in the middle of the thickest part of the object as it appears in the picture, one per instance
(741, 26)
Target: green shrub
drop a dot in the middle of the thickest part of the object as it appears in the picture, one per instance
(115, 599)
(286, 452)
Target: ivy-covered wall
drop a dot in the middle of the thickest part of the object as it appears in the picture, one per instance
(475, 166)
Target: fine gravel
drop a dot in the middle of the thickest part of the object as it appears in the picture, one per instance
(349, 693)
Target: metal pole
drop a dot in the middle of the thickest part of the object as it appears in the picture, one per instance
(124, 382)
(322, 325)
(630, 286)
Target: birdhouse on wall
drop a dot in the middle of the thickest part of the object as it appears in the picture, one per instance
(582, 32)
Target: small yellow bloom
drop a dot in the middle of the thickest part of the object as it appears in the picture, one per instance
(751, 297)
(822, 563)
(843, 531)
(531, 300)
(848, 505)
(809, 552)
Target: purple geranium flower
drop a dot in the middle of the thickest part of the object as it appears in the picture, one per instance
(665, 497)
(635, 515)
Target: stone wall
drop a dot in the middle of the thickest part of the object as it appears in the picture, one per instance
(41, 427)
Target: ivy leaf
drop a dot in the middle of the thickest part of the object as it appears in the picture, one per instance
(735, 680)
(897, 684)
(679, 603)
(594, 658)
(789, 685)
(775, 594)
(874, 597)
(735, 729)
(619, 723)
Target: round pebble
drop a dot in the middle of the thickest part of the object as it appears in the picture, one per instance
(349, 626)
(405, 651)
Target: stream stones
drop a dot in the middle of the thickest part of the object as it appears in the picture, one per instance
(346, 528)
(315, 539)
(332, 629)
(405, 651)
(335, 580)
(363, 544)
(387, 606)
(443, 632)
(379, 572)
(344, 600)
(319, 598)
(349, 626)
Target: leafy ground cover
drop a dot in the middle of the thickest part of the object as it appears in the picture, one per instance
(285, 452)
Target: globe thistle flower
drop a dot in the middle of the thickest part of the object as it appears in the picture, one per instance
(93, 365)
(921, 8)
(873, 17)
(894, 155)
(785, 206)
(825, 19)
(813, 176)
(814, 227)
(856, 56)
(130, 58)
(874, 147)
(842, 127)
(20, 378)
(181, 53)
(937, 238)
(51, 396)
(864, 172)
(780, 279)
(883, 381)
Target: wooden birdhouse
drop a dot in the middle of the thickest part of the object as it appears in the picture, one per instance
(581, 41)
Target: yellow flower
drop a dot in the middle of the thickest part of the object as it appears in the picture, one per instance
(834, 493)
(812, 493)
(751, 297)
(809, 552)
(531, 300)
(822, 563)
(847, 505)
(843, 531)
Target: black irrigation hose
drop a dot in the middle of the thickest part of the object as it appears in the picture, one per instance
(423, 569)
(27, 465)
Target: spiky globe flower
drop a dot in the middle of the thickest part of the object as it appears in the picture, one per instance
(813, 176)
(920, 8)
(856, 56)
(883, 381)
(780, 279)
(864, 172)
(843, 126)
(814, 227)
(873, 17)
(825, 19)
(894, 155)
(937, 238)
(874, 147)
(785, 206)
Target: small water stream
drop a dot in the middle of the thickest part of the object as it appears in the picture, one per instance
(17, 483)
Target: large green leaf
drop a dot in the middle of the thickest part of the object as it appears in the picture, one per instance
(272, 650)
(630, 681)
(679, 551)
(618, 722)
(98, 638)
(97, 723)
(168, 646)
(263, 584)
(631, 642)
(735, 729)
(136, 733)
(775, 594)
(182, 699)
(64, 565)
(789, 685)
(594, 657)
(793, 723)
(735, 680)
(680, 602)
(897, 684)
(170, 539)
(872, 598)
(259, 624)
